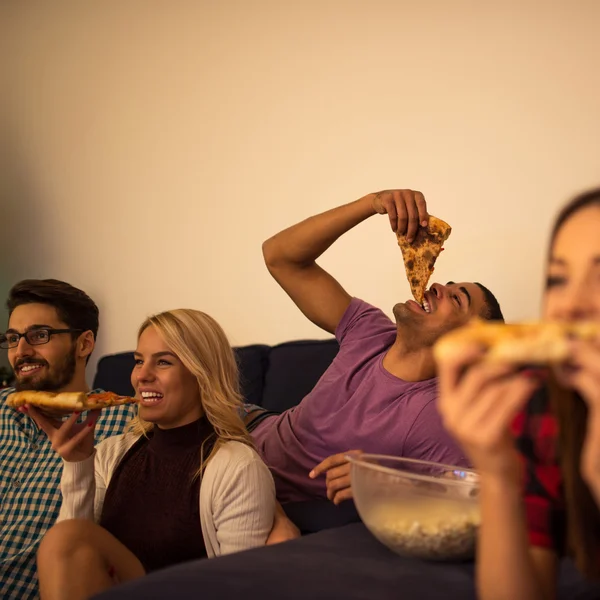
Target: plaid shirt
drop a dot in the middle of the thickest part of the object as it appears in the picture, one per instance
(30, 495)
(536, 432)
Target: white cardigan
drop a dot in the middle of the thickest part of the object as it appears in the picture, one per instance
(237, 494)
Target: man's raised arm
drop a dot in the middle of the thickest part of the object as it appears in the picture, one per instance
(291, 254)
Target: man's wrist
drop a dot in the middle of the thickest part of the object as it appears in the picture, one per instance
(369, 202)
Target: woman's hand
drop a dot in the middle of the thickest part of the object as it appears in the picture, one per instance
(478, 402)
(283, 529)
(73, 441)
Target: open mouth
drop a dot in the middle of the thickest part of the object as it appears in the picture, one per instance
(429, 304)
(150, 398)
(430, 301)
(415, 306)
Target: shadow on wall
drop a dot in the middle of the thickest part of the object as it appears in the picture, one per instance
(21, 220)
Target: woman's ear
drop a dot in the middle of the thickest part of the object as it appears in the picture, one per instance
(85, 344)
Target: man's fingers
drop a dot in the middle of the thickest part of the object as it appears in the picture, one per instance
(422, 209)
(339, 484)
(335, 460)
(345, 494)
(337, 472)
(329, 463)
(390, 208)
(406, 210)
(399, 207)
(408, 200)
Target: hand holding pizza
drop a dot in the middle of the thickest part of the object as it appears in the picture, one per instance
(406, 209)
(73, 441)
(478, 402)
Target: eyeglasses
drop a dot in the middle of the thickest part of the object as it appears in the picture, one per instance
(34, 337)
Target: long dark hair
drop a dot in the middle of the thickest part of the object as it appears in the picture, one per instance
(583, 515)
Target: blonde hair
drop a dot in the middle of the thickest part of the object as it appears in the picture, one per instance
(204, 350)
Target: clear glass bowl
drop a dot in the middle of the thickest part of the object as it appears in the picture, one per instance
(417, 508)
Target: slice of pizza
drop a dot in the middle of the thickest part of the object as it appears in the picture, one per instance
(536, 343)
(420, 256)
(67, 401)
(106, 399)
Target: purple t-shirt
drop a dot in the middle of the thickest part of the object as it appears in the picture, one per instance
(356, 404)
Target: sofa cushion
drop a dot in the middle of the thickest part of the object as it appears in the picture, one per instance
(113, 373)
(315, 515)
(294, 369)
(252, 363)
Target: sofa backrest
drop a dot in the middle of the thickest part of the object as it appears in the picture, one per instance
(276, 377)
(113, 373)
(293, 370)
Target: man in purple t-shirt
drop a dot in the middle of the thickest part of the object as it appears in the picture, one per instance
(380, 392)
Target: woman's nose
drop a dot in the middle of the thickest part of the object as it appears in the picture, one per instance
(145, 373)
(577, 304)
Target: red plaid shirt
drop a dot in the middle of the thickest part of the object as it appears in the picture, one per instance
(536, 432)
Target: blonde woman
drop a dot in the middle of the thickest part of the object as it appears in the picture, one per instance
(183, 483)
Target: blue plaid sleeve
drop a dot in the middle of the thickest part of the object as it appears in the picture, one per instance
(30, 495)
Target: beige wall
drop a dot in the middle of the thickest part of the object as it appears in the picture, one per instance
(153, 145)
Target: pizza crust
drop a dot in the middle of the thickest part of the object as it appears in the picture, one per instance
(535, 343)
(420, 256)
(67, 401)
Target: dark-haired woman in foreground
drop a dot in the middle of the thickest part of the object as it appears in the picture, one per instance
(555, 418)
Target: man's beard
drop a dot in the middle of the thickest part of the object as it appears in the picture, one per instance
(57, 377)
(414, 331)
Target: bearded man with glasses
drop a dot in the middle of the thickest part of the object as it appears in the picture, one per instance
(51, 334)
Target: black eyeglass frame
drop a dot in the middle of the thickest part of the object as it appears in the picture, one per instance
(5, 345)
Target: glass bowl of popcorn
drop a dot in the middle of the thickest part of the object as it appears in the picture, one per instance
(417, 508)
